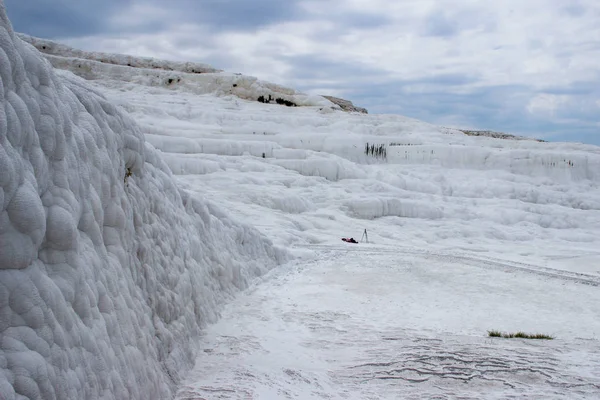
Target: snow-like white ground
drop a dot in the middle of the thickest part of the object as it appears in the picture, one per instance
(466, 234)
(374, 322)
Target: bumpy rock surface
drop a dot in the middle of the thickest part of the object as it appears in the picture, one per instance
(497, 135)
(108, 270)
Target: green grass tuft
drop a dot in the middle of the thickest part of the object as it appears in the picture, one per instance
(520, 335)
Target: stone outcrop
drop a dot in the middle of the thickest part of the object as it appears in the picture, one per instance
(346, 105)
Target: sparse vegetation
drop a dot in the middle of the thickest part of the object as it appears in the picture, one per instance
(127, 175)
(279, 100)
(285, 102)
(377, 151)
(520, 335)
(263, 99)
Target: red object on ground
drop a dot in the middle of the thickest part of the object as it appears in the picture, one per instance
(349, 240)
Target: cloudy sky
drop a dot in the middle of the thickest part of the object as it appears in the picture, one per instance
(527, 67)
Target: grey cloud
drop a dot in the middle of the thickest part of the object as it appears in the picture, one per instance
(448, 22)
(319, 67)
(440, 24)
(575, 88)
(73, 18)
(244, 15)
(361, 21)
(498, 108)
(446, 79)
(238, 15)
(62, 18)
(312, 67)
(574, 9)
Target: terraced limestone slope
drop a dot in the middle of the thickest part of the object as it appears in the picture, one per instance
(321, 173)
